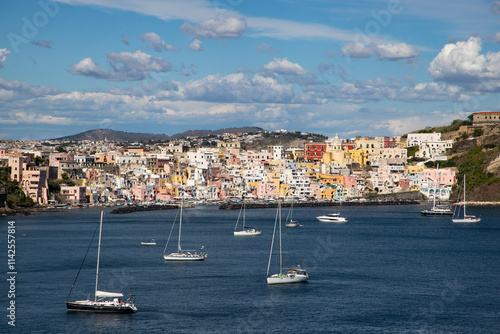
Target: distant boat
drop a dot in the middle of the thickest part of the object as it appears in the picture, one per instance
(466, 218)
(246, 230)
(103, 301)
(332, 218)
(285, 276)
(149, 243)
(437, 210)
(289, 222)
(182, 255)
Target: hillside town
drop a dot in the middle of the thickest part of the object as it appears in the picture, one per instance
(336, 169)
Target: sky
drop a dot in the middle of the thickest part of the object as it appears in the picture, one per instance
(361, 67)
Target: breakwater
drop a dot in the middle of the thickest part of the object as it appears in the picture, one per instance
(260, 205)
(136, 208)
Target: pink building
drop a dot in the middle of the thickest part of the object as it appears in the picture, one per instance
(35, 185)
(73, 194)
(267, 190)
(350, 182)
(443, 176)
(56, 158)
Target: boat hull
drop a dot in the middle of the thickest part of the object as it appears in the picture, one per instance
(436, 213)
(101, 307)
(292, 223)
(184, 257)
(286, 279)
(246, 233)
(466, 220)
(332, 220)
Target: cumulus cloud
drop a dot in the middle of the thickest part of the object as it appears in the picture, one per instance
(357, 50)
(124, 66)
(396, 52)
(4, 53)
(196, 45)
(43, 44)
(263, 47)
(284, 66)
(156, 42)
(237, 88)
(17, 90)
(222, 27)
(462, 64)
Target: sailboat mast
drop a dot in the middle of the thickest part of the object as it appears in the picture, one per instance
(180, 228)
(244, 209)
(98, 257)
(435, 185)
(281, 258)
(464, 195)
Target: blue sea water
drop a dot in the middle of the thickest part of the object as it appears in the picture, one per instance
(388, 270)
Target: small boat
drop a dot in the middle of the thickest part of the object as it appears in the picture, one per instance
(285, 276)
(149, 243)
(246, 230)
(332, 218)
(437, 210)
(289, 222)
(106, 302)
(466, 218)
(183, 255)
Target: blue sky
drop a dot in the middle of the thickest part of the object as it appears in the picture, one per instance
(166, 66)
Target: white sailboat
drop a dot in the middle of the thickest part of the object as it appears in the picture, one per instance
(103, 301)
(289, 222)
(285, 276)
(466, 218)
(246, 230)
(437, 210)
(182, 255)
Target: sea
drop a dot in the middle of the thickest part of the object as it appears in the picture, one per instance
(388, 270)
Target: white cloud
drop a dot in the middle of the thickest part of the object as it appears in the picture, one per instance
(398, 51)
(4, 53)
(284, 66)
(156, 42)
(462, 64)
(14, 90)
(357, 50)
(134, 66)
(219, 27)
(196, 45)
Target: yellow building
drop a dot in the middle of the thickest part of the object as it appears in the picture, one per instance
(359, 156)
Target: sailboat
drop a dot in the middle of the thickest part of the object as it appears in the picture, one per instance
(182, 255)
(437, 210)
(466, 218)
(289, 222)
(285, 276)
(246, 230)
(103, 301)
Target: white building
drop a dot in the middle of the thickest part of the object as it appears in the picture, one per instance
(416, 139)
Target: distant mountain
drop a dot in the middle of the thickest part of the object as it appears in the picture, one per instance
(120, 136)
(112, 135)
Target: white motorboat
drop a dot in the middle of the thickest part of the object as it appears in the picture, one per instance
(149, 243)
(466, 218)
(285, 276)
(332, 218)
(246, 230)
(109, 302)
(182, 255)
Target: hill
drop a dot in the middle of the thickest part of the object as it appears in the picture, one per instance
(112, 135)
(120, 136)
(475, 153)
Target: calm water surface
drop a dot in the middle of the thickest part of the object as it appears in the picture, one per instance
(389, 270)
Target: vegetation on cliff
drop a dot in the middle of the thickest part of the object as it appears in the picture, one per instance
(15, 195)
